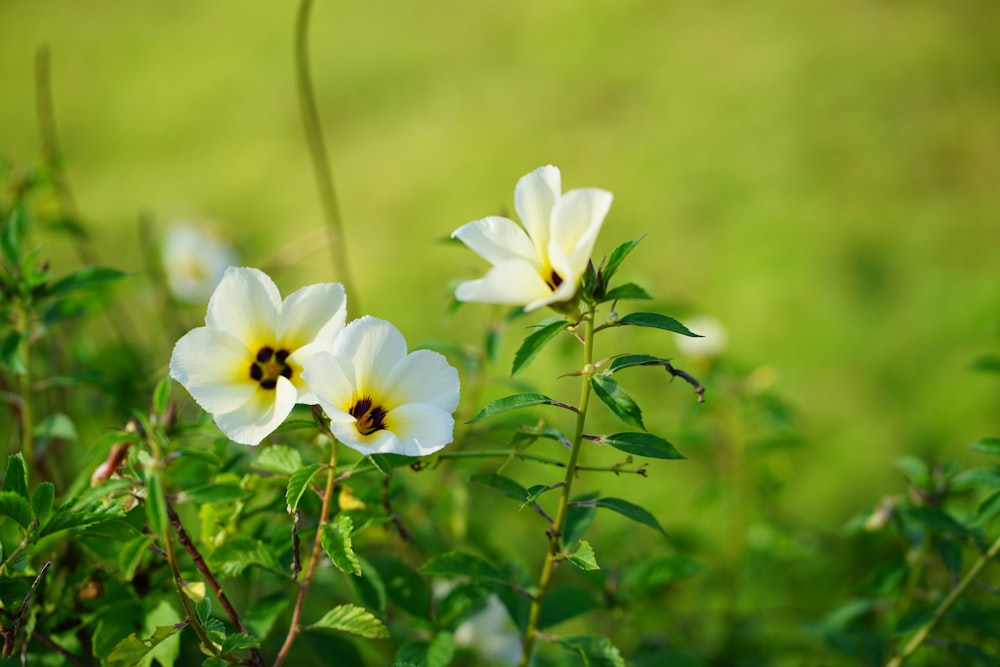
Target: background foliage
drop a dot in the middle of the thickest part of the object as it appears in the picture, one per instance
(821, 178)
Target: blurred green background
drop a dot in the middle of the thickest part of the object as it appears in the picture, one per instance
(824, 178)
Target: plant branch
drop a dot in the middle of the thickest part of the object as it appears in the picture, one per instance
(921, 635)
(554, 550)
(199, 562)
(76, 660)
(293, 628)
(317, 150)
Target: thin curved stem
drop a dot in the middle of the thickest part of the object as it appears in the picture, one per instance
(294, 629)
(317, 150)
(552, 555)
(918, 639)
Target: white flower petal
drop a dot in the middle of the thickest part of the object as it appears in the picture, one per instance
(515, 282)
(425, 377)
(535, 195)
(246, 304)
(374, 347)
(380, 442)
(422, 429)
(576, 222)
(329, 382)
(497, 239)
(315, 313)
(213, 366)
(259, 416)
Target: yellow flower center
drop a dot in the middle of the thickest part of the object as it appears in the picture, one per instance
(371, 417)
(269, 365)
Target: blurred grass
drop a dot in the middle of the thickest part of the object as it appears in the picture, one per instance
(821, 177)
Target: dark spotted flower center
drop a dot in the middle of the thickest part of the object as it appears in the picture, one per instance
(554, 280)
(371, 417)
(268, 366)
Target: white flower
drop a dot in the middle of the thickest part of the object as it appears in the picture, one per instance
(194, 262)
(712, 342)
(245, 365)
(379, 398)
(492, 634)
(543, 266)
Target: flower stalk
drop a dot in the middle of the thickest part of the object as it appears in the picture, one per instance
(553, 554)
(918, 639)
(294, 628)
(317, 151)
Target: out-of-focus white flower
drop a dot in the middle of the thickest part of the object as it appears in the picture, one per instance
(543, 266)
(379, 398)
(245, 365)
(194, 261)
(712, 342)
(492, 634)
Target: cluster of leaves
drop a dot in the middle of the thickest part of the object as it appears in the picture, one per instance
(927, 596)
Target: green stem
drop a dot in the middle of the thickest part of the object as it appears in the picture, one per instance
(552, 555)
(24, 389)
(293, 628)
(946, 604)
(168, 547)
(317, 150)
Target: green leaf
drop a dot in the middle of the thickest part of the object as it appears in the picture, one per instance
(55, 426)
(239, 642)
(404, 587)
(86, 278)
(642, 444)
(506, 485)
(935, 519)
(656, 321)
(987, 363)
(161, 395)
(630, 360)
(240, 552)
(441, 650)
(336, 540)
(11, 353)
(650, 575)
(631, 511)
(43, 500)
(461, 602)
(616, 398)
(563, 603)
(584, 557)
(626, 291)
(988, 509)
(595, 651)
(295, 425)
(579, 515)
(369, 587)
(535, 341)
(298, 483)
(915, 470)
(16, 478)
(213, 493)
(130, 555)
(261, 616)
(11, 234)
(353, 620)
(156, 509)
(13, 505)
(515, 402)
(132, 650)
(617, 256)
(384, 463)
(459, 564)
(64, 519)
(279, 459)
(987, 446)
